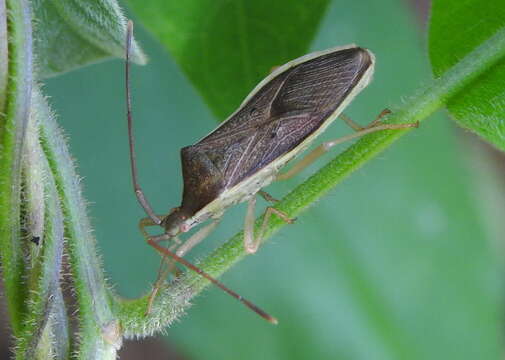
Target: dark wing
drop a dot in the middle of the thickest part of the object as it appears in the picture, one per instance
(279, 116)
(311, 93)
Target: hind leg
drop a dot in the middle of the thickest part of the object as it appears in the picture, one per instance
(374, 126)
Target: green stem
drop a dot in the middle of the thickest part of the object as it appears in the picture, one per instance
(4, 54)
(59, 329)
(13, 120)
(173, 300)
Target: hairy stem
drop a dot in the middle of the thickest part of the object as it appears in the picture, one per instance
(44, 225)
(13, 121)
(98, 336)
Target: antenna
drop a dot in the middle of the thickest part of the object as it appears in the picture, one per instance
(133, 159)
(219, 284)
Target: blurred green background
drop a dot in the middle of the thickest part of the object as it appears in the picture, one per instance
(401, 261)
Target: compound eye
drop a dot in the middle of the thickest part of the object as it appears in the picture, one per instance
(184, 228)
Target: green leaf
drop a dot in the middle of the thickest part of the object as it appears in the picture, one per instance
(457, 28)
(226, 47)
(73, 33)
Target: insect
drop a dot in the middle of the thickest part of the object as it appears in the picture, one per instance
(279, 119)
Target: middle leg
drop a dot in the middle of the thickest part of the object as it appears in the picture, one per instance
(252, 242)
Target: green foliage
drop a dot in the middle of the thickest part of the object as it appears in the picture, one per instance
(226, 47)
(73, 33)
(400, 263)
(456, 29)
(35, 195)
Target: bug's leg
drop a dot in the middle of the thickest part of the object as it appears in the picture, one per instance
(162, 273)
(374, 126)
(357, 127)
(267, 196)
(269, 212)
(352, 124)
(379, 117)
(169, 264)
(187, 264)
(143, 223)
(196, 238)
(166, 267)
(251, 243)
(146, 222)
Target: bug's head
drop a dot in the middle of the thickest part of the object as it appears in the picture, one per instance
(176, 222)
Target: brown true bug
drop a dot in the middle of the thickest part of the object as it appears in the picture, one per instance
(279, 119)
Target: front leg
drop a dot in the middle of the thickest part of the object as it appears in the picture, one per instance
(194, 240)
(198, 237)
(146, 222)
(162, 272)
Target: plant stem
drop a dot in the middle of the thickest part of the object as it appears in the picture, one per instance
(175, 298)
(37, 338)
(13, 120)
(4, 54)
